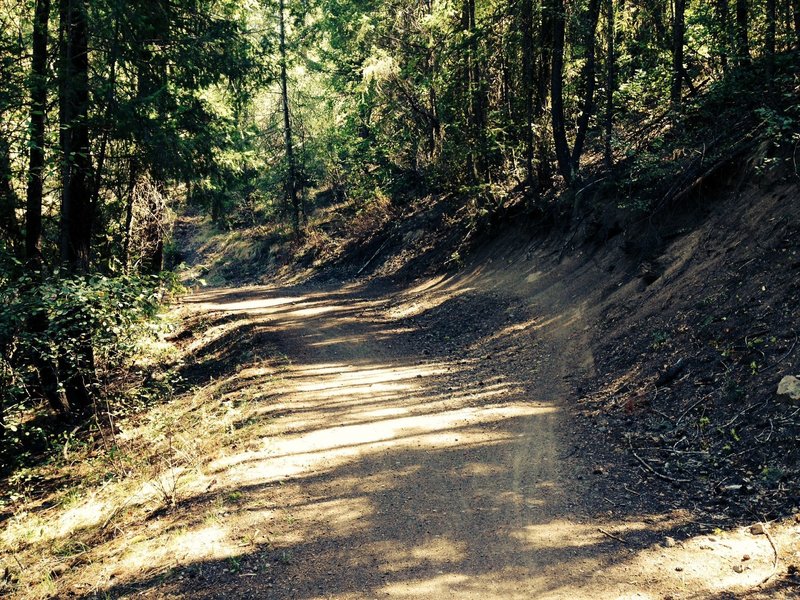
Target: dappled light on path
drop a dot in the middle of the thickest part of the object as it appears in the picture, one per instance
(359, 451)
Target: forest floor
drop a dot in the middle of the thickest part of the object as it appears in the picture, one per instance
(439, 438)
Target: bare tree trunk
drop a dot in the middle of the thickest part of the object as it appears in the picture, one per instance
(8, 198)
(291, 167)
(611, 82)
(725, 35)
(76, 213)
(796, 20)
(678, 39)
(33, 206)
(589, 71)
(77, 370)
(742, 40)
(557, 94)
(769, 42)
(152, 85)
(543, 170)
(37, 323)
(476, 159)
(528, 74)
(126, 250)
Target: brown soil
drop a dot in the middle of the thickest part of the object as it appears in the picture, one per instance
(425, 443)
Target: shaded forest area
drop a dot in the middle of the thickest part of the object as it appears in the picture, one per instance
(591, 117)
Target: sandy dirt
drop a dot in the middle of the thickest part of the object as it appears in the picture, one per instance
(421, 443)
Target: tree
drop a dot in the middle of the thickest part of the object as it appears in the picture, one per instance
(678, 41)
(292, 197)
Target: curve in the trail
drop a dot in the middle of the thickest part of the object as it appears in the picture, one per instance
(417, 443)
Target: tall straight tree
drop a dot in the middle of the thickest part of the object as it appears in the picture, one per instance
(477, 167)
(38, 92)
(76, 206)
(528, 81)
(678, 41)
(563, 157)
(769, 43)
(76, 194)
(589, 70)
(38, 321)
(291, 191)
(742, 34)
(611, 82)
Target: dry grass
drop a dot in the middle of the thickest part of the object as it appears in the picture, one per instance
(113, 516)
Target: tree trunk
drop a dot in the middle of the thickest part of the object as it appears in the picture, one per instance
(292, 198)
(769, 43)
(742, 40)
(77, 370)
(153, 88)
(796, 19)
(589, 71)
(611, 82)
(557, 94)
(33, 206)
(678, 39)
(38, 322)
(475, 98)
(543, 171)
(8, 198)
(724, 26)
(76, 213)
(528, 75)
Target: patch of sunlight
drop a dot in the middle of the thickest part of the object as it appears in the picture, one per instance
(560, 321)
(88, 514)
(479, 469)
(534, 276)
(171, 549)
(345, 516)
(383, 378)
(397, 558)
(252, 305)
(320, 310)
(383, 412)
(334, 445)
(562, 533)
(414, 306)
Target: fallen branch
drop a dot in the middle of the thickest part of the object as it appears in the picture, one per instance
(378, 251)
(611, 535)
(774, 558)
(691, 408)
(652, 470)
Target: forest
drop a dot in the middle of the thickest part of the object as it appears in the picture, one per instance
(583, 119)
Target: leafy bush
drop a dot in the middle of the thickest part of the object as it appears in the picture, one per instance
(108, 317)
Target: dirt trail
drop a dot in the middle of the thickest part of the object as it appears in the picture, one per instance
(419, 445)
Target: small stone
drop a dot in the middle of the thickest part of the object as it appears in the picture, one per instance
(757, 529)
(679, 569)
(598, 470)
(669, 542)
(789, 386)
(738, 568)
(745, 557)
(58, 571)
